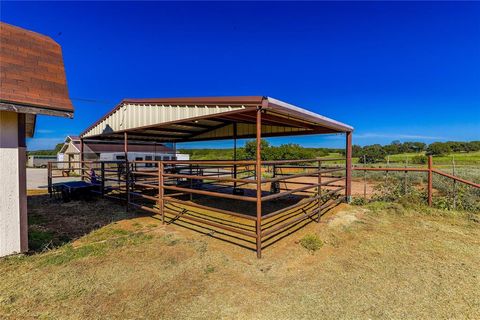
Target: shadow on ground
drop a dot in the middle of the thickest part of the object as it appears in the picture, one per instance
(52, 222)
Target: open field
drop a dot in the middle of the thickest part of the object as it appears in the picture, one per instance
(461, 158)
(378, 261)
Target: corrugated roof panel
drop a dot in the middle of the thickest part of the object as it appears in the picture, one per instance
(129, 116)
(201, 118)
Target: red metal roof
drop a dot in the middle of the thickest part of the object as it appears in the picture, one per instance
(233, 100)
(31, 70)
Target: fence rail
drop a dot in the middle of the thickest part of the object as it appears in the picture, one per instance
(430, 170)
(288, 192)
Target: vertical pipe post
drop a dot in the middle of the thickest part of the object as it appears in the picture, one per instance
(319, 188)
(454, 186)
(49, 177)
(258, 173)
(127, 169)
(364, 178)
(348, 167)
(405, 185)
(82, 157)
(430, 180)
(386, 171)
(102, 172)
(234, 156)
(160, 190)
(191, 182)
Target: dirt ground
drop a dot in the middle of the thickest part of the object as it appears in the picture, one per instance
(376, 262)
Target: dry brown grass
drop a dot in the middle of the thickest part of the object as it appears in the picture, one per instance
(376, 262)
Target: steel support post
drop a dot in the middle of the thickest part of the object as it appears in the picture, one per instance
(348, 167)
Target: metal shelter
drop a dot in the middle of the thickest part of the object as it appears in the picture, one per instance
(302, 188)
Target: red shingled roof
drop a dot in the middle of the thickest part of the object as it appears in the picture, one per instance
(31, 70)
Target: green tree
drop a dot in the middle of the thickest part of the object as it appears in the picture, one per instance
(356, 151)
(371, 154)
(289, 151)
(250, 149)
(473, 146)
(438, 149)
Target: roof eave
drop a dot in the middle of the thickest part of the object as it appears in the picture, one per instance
(308, 115)
(33, 109)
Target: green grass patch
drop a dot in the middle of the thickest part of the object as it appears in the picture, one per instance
(69, 253)
(105, 234)
(38, 239)
(311, 242)
(34, 219)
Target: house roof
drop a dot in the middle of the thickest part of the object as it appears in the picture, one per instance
(207, 118)
(102, 146)
(32, 75)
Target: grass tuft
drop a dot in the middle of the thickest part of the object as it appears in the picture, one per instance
(209, 269)
(169, 240)
(311, 242)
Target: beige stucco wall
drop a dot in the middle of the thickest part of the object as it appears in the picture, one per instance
(13, 201)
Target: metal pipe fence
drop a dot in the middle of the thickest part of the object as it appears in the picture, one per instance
(221, 196)
(430, 172)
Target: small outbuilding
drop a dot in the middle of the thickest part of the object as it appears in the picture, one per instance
(32, 82)
(69, 154)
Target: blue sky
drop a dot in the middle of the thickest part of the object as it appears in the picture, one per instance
(395, 71)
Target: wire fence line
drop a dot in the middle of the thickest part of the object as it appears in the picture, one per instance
(449, 187)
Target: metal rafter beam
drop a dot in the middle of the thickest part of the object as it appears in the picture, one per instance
(174, 130)
(212, 129)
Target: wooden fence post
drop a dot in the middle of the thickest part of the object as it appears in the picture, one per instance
(430, 180)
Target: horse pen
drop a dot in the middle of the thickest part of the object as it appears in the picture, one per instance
(253, 203)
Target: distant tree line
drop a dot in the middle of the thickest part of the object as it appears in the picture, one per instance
(366, 154)
(377, 153)
(52, 152)
(287, 151)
